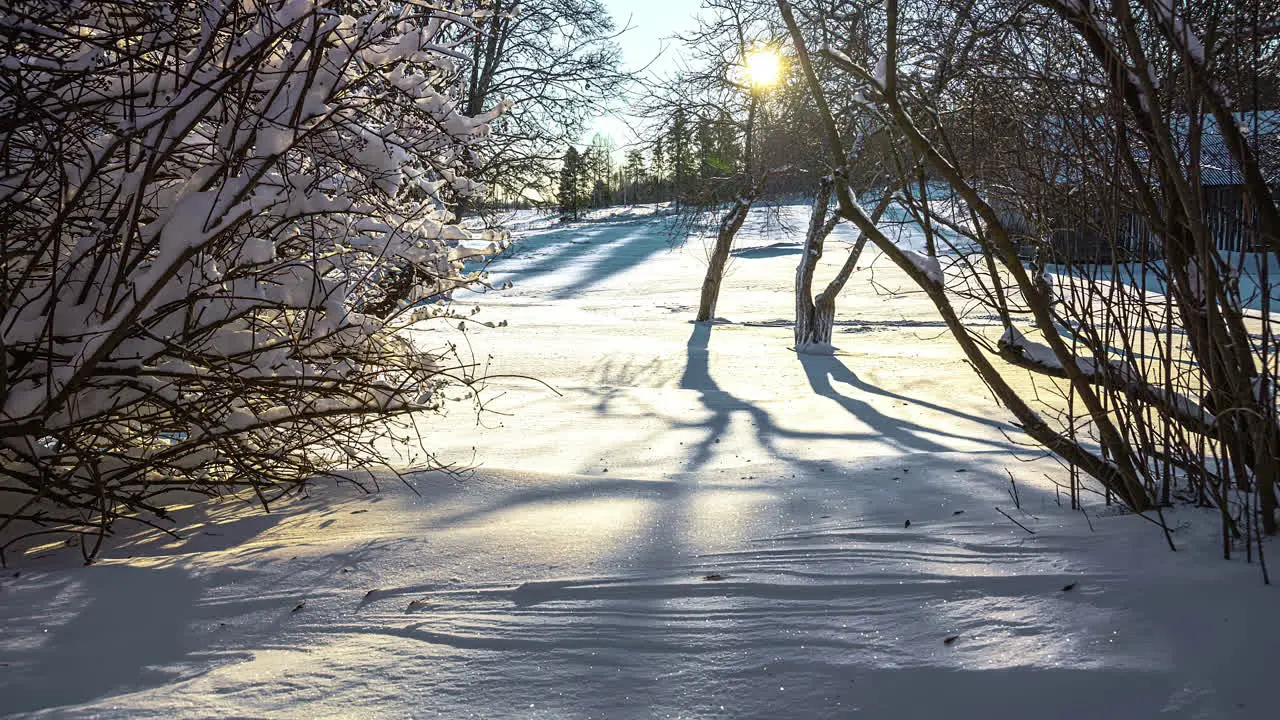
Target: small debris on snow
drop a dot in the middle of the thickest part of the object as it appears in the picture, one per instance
(1068, 587)
(713, 577)
(357, 512)
(958, 512)
(416, 605)
(299, 606)
(950, 639)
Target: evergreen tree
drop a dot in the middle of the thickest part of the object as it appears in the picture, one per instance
(572, 178)
(598, 171)
(635, 176)
(658, 171)
(601, 193)
(709, 162)
(678, 142)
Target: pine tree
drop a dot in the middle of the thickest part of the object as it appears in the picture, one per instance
(635, 175)
(598, 170)
(572, 175)
(708, 163)
(659, 167)
(678, 142)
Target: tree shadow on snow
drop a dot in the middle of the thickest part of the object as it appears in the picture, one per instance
(77, 634)
(721, 404)
(597, 252)
(820, 371)
(823, 371)
(778, 249)
(628, 247)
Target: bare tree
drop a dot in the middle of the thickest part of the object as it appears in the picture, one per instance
(816, 314)
(928, 274)
(709, 122)
(1088, 137)
(554, 62)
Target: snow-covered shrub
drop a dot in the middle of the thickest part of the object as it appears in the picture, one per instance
(202, 205)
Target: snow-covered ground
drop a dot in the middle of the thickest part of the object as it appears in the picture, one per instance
(1257, 277)
(696, 523)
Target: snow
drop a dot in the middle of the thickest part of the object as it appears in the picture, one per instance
(1034, 352)
(1122, 374)
(1182, 33)
(697, 523)
(817, 348)
(1252, 273)
(926, 264)
(882, 71)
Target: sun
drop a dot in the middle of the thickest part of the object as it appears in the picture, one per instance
(764, 67)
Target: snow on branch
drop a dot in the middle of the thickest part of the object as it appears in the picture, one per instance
(212, 211)
(925, 264)
(1039, 357)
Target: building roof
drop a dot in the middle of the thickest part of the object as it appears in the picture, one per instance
(1217, 166)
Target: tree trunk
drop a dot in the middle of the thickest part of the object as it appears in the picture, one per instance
(821, 325)
(1264, 467)
(729, 227)
(808, 325)
(816, 316)
(1118, 476)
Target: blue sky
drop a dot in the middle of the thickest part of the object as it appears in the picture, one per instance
(651, 22)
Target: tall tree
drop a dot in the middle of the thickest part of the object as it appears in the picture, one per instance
(554, 62)
(717, 85)
(635, 173)
(1048, 124)
(679, 141)
(572, 180)
(598, 168)
(658, 172)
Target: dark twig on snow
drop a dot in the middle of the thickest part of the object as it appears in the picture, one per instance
(1015, 522)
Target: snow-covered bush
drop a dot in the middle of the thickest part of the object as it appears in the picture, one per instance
(212, 214)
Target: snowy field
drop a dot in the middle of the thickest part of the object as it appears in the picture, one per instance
(695, 523)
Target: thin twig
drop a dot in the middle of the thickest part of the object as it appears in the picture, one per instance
(1015, 522)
